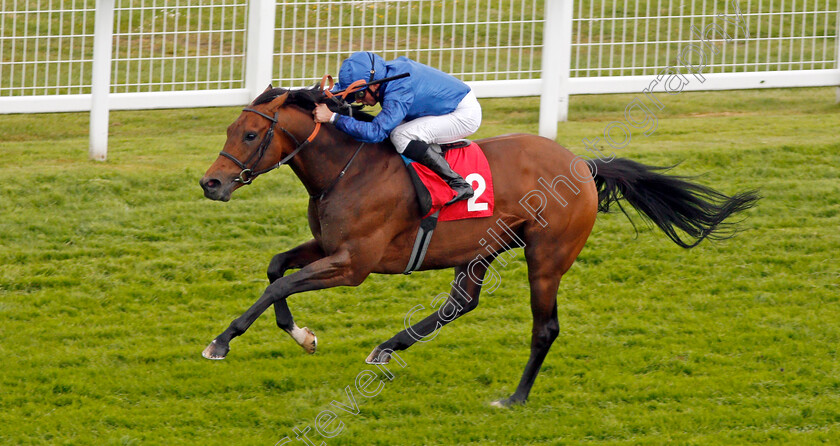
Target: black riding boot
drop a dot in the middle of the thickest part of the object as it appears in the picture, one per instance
(429, 156)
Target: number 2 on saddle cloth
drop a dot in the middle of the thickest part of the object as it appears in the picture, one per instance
(467, 159)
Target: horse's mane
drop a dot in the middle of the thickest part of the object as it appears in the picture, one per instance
(305, 98)
(308, 98)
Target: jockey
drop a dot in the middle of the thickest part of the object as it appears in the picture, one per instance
(419, 112)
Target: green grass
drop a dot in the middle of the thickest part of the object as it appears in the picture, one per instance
(115, 275)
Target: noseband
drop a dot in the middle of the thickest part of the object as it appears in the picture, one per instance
(247, 175)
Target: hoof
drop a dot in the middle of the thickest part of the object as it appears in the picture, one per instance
(215, 351)
(378, 357)
(310, 343)
(506, 403)
(304, 338)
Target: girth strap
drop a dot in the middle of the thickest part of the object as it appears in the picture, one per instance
(421, 243)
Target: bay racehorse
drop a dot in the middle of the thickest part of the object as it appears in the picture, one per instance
(364, 217)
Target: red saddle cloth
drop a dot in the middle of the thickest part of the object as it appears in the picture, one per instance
(433, 192)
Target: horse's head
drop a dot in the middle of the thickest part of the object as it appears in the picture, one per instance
(252, 147)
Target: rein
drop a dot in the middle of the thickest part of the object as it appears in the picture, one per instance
(340, 174)
(247, 175)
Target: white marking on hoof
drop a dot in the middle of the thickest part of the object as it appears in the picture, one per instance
(311, 344)
(498, 404)
(375, 357)
(305, 338)
(207, 353)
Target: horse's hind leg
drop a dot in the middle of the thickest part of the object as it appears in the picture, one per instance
(544, 331)
(462, 299)
(547, 262)
(294, 258)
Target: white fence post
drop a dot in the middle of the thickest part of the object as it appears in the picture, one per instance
(556, 63)
(101, 79)
(259, 56)
(837, 55)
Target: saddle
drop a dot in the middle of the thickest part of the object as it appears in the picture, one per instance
(469, 161)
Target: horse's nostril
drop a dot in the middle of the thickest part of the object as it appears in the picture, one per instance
(212, 183)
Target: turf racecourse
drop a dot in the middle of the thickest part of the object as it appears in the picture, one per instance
(114, 276)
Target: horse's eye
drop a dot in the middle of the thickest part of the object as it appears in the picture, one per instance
(250, 136)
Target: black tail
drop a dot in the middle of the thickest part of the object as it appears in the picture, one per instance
(670, 202)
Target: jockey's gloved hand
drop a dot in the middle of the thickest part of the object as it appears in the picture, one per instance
(346, 109)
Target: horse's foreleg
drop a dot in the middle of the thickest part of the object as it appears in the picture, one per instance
(303, 336)
(328, 272)
(298, 257)
(462, 299)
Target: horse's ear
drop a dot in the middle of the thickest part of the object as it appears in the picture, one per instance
(278, 101)
(268, 88)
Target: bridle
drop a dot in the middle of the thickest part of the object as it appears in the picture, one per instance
(247, 175)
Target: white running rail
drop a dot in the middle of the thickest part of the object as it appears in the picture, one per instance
(181, 53)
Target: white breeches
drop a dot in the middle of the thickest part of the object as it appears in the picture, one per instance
(462, 122)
